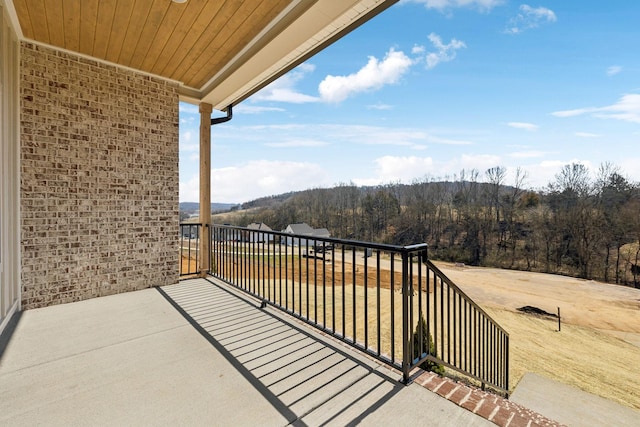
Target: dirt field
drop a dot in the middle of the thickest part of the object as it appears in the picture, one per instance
(606, 307)
(598, 348)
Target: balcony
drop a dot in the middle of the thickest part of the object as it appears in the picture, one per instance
(197, 353)
(265, 340)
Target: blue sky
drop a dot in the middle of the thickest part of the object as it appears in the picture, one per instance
(431, 87)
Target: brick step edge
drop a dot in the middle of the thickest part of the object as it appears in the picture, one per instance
(489, 406)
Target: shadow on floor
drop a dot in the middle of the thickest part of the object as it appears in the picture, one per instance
(308, 379)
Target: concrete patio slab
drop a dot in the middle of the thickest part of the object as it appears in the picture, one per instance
(570, 405)
(196, 353)
(127, 359)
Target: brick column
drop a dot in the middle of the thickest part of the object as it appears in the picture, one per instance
(205, 186)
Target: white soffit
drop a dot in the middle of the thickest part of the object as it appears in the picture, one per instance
(318, 26)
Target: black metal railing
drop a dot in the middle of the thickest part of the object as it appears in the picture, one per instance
(372, 296)
(465, 337)
(190, 256)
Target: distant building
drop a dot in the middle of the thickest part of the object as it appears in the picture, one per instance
(256, 236)
(304, 229)
(321, 232)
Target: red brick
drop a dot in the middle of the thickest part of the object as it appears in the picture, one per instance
(460, 394)
(472, 401)
(425, 378)
(486, 409)
(502, 417)
(519, 421)
(436, 383)
(446, 388)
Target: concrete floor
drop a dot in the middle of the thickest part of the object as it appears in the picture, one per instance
(570, 405)
(197, 353)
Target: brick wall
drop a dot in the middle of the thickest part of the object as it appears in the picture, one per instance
(99, 178)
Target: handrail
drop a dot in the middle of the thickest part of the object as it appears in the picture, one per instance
(349, 289)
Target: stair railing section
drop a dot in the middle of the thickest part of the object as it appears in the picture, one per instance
(190, 256)
(464, 337)
(371, 296)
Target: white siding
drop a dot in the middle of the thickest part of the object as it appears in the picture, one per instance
(9, 170)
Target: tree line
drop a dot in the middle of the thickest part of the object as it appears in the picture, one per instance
(581, 224)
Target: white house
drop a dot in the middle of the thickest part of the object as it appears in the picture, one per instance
(305, 230)
(256, 236)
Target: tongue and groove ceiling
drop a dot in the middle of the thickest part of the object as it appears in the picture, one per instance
(220, 51)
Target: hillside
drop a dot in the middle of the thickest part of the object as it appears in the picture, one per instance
(577, 226)
(192, 207)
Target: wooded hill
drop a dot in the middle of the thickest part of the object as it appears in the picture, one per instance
(579, 225)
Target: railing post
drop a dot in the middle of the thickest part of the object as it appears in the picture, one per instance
(506, 363)
(406, 344)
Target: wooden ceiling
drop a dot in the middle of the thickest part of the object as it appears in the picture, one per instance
(199, 43)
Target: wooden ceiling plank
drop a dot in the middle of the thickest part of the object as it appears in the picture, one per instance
(182, 29)
(215, 18)
(24, 18)
(71, 10)
(200, 72)
(139, 16)
(166, 29)
(55, 22)
(104, 23)
(119, 29)
(149, 32)
(38, 15)
(88, 25)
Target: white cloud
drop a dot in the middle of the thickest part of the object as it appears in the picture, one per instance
(539, 175)
(188, 108)
(613, 70)
(480, 162)
(406, 169)
(255, 109)
(297, 143)
(529, 18)
(284, 89)
(238, 184)
(441, 5)
(377, 135)
(528, 154)
(445, 52)
(418, 50)
(573, 113)
(186, 143)
(190, 190)
(379, 106)
(627, 109)
(542, 173)
(397, 169)
(339, 134)
(630, 166)
(374, 75)
(587, 135)
(525, 126)
(447, 141)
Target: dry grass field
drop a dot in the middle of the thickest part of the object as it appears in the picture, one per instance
(188, 265)
(597, 349)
